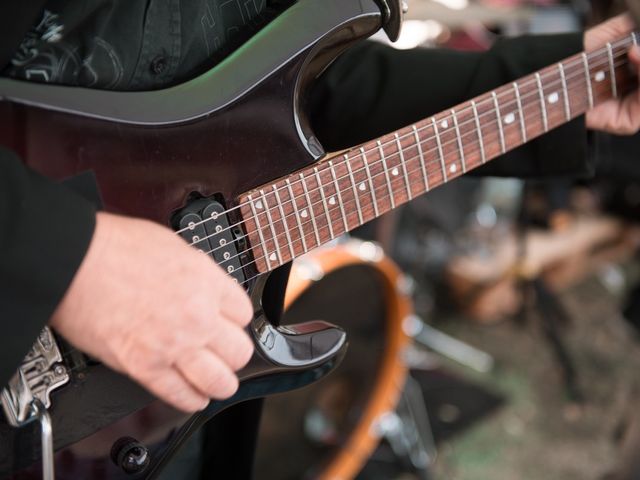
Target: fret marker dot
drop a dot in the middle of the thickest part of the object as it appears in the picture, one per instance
(259, 205)
(332, 201)
(453, 168)
(444, 123)
(304, 213)
(509, 118)
(273, 257)
(553, 98)
(599, 76)
(395, 171)
(362, 187)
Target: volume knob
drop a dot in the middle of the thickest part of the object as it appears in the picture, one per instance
(130, 455)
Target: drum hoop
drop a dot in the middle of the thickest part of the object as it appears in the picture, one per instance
(391, 376)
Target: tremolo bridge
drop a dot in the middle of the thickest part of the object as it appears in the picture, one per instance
(26, 398)
(40, 373)
(205, 225)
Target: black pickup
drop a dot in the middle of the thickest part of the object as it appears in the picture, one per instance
(204, 225)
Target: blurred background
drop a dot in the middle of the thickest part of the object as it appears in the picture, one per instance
(499, 338)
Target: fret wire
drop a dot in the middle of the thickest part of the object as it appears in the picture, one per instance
(355, 190)
(297, 213)
(324, 203)
(480, 140)
(612, 69)
(499, 118)
(587, 75)
(259, 228)
(437, 135)
(455, 124)
(422, 163)
(404, 167)
(523, 127)
(386, 174)
(310, 209)
(373, 193)
(543, 106)
(267, 209)
(567, 108)
(337, 187)
(284, 221)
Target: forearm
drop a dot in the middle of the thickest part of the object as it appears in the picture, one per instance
(374, 89)
(45, 230)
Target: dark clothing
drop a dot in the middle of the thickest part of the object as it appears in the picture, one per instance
(374, 89)
(135, 45)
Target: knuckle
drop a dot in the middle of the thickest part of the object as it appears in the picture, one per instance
(187, 401)
(221, 385)
(175, 393)
(243, 353)
(244, 359)
(229, 387)
(245, 311)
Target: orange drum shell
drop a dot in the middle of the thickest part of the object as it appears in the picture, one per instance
(391, 376)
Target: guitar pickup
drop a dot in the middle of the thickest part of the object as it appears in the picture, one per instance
(205, 226)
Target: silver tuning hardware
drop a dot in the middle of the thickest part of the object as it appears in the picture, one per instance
(26, 398)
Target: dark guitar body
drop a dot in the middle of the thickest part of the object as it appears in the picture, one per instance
(234, 128)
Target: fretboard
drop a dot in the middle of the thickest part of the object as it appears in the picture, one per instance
(312, 206)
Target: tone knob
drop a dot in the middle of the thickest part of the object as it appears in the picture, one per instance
(130, 455)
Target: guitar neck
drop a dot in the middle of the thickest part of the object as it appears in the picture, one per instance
(314, 205)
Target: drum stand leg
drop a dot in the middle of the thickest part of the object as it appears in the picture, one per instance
(408, 431)
(448, 346)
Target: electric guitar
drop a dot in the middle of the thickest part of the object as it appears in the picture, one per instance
(230, 161)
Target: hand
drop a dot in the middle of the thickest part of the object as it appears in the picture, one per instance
(148, 305)
(618, 115)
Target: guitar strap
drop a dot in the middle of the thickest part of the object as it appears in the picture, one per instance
(16, 18)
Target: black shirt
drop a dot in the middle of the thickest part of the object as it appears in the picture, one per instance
(135, 44)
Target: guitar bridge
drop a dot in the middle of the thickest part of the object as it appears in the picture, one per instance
(40, 373)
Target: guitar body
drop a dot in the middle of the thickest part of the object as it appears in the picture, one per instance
(153, 154)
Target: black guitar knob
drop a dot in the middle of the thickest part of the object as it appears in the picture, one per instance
(130, 455)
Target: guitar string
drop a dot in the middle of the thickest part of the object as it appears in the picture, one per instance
(574, 63)
(328, 210)
(492, 112)
(472, 132)
(578, 62)
(69, 352)
(339, 190)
